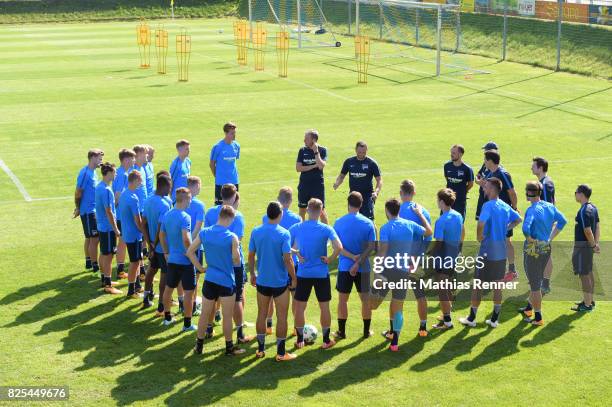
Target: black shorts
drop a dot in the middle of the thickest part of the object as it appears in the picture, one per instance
(398, 294)
(322, 287)
(582, 260)
(270, 291)
(90, 226)
(212, 291)
(307, 192)
(239, 275)
(184, 273)
(218, 200)
(158, 262)
(344, 282)
(534, 266)
(108, 243)
(367, 207)
(134, 251)
(510, 233)
(492, 270)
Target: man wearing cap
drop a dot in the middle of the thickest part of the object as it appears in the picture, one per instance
(223, 157)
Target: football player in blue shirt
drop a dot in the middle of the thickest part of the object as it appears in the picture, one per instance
(496, 219)
(459, 177)
(586, 242)
(290, 218)
(361, 169)
(272, 245)
(139, 165)
(180, 168)
(107, 225)
(358, 235)
(175, 239)
(542, 224)
(507, 195)
(196, 211)
(539, 168)
(229, 195)
(127, 158)
(85, 206)
(311, 161)
(398, 237)
(407, 193)
(221, 254)
(448, 233)
(223, 157)
(132, 230)
(150, 170)
(310, 241)
(154, 210)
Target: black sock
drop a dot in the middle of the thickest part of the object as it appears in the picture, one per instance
(120, 267)
(423, 326)
(160, 307)
(300, 333)
(391, 325)
(142, 269)
(511, 267)
(538, 316)
(546, 282)
(95, 266)
(181, 305)
(395, 339)
(131, 288)
(496, 311)
(107, 281)
(366, 327)
(137, 285)
(528, 307)
(261, 342)
(167, 315)
(472, 316)
(199, 345)
(229, 345)
(187, 322)
(341, 326)
(209, 329)
(269, 323)
(326, 335)
(87, 262)
(280, 346)
(239, 333)
(102, 278)
(447, 318)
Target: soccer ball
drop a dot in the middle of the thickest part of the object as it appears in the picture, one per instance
(310, 333)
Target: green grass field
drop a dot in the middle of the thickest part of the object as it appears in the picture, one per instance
(67, 88)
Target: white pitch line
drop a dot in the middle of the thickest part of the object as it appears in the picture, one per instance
(16, 181)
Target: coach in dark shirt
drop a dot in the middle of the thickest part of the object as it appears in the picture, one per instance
(361, 169)
(539, 168)
(311, 160)
(481, 176)
(459, 177)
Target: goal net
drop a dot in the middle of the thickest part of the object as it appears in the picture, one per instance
(303, 19)
(428, 34)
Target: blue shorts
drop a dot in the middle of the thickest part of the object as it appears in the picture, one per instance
(134, 251)
(90, 226)
(184, 273)
(108, 243)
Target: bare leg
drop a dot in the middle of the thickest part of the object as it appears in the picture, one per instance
(227, 309)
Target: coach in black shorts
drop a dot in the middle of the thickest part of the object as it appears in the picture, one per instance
(586, 242)
(311, 160)
(361, 169)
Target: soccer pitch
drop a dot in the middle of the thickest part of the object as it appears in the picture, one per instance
(65, 88)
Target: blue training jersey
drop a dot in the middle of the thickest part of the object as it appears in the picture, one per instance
(539, 220)
(179, 171)
(154, 210)
(355, 231)
(311, 239)
(496, 216)
(174, 223)
(217, 242)
(129, 208)
(104, 199)
(87, 181)
(270, 243)
(225, 156)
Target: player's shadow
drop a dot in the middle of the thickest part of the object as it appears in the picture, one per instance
(72, 289)
(552, 330)
(460, 344)
(211, 377)
(364, 366)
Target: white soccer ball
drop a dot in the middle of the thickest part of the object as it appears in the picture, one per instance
(220, 31)
(310, 333)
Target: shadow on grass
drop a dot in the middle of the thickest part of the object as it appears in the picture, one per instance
(552, 330)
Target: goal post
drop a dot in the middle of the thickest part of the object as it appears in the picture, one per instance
(425, 31)
(305, 20)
